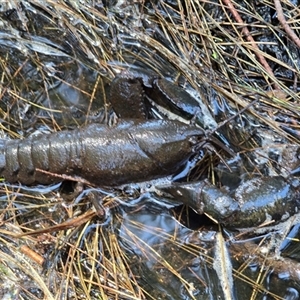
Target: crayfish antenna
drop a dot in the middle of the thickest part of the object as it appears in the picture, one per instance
(235, 115)
(209, 139)
(207, 144)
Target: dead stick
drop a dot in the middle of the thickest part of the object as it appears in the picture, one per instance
(250, 39)
(280, 16)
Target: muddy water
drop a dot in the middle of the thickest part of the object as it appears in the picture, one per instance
(56, 65)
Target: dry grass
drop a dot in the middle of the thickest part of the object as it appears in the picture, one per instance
(56, 60)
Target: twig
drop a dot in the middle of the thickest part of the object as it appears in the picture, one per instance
(280, 16)
(250, 39)
(65, 177)
(71, 223)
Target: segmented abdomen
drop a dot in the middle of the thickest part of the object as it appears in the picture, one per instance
(130, 151)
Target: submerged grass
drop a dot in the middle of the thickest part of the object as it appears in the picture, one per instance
(57, 59)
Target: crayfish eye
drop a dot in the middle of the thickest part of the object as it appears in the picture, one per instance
(194, 140)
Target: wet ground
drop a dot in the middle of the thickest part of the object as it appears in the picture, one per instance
(57, 62)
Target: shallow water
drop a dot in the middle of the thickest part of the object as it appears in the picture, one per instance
(56, 65)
